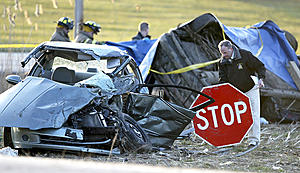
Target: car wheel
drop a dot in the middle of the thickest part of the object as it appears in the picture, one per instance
(135, 139)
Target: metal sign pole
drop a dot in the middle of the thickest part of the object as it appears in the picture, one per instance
(78, 15)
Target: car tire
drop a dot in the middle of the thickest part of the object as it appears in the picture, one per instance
(134, 137)
(6, 138)
(7, 141)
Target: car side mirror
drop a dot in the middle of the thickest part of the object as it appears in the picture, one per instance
(13, 79)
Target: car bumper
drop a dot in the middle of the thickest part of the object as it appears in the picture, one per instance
(57, 139)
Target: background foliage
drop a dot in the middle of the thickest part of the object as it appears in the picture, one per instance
(33, 21)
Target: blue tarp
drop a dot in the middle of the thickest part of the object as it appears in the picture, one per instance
(276, 52)
(137, 49)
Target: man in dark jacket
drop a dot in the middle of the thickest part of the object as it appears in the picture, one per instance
(238, 67)
(64, 25)
(143, 32)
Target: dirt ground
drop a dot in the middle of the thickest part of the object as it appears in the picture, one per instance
(279, 151)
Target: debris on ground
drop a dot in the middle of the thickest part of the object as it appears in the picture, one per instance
(8, 151)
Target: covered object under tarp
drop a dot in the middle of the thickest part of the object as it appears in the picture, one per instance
(197, 41)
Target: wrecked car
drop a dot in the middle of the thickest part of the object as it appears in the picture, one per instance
(87, 98)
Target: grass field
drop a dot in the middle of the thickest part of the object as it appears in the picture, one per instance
(119, 18)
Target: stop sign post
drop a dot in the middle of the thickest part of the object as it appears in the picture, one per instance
(227, 120)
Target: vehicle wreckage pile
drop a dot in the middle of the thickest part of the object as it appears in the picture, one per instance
(196, 42)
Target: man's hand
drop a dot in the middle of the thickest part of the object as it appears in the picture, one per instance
(261, 83)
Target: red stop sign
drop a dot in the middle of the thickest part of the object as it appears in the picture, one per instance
(227, 120)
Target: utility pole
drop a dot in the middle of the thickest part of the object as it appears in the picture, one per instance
(78, 16)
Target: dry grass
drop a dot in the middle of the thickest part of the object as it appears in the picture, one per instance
(5, 70)
(10, 64)
(278, 152)
(4, 85)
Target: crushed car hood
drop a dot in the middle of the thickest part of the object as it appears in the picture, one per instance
(37, 103)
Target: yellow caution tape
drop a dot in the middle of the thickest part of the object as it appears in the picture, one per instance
(18, 45)
(188, 68)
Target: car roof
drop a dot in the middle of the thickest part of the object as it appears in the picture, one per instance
(99, 50)
(95, 51)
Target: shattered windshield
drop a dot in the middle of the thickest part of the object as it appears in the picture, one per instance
(82, 66)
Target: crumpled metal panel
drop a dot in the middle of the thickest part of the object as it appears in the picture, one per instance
(102, 81)
(37, 103)
(163, 121)
(125, 84)
(91, 49)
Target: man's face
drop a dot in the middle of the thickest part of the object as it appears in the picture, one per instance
(145, 32)
(226, 52)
